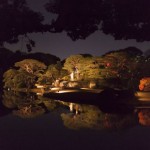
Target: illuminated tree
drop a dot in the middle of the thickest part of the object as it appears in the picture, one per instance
(73, 65)
(31, 66)
(83, 66)
(120, 68)
(91, 68)
(30, 69)
(122, 63)
(54, 72)
(9, 76)
(26, 76)
(24, 79)
(14, 79)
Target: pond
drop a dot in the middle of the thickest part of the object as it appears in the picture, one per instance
(31, 122)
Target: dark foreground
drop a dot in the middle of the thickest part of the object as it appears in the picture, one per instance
(68, 125)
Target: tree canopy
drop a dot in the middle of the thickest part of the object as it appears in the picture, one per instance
(17, 19)
(31, 66)
(127, 19)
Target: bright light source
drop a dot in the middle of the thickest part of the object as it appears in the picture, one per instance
(55, 88)
(39, 94)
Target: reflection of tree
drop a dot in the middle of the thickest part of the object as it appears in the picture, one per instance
(144, 117)
(10, 99)
(27, 105)
(29, 111)
(3, 110)
(91, 117)
(48, 103)
(117, 121)
(17, 99)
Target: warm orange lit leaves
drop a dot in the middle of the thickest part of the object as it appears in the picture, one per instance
(144, 117)
(143, 83)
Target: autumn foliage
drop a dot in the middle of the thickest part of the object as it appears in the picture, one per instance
(144, 117)
(144, 84)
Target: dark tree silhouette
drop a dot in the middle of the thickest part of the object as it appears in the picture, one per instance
(126, 19)
(17, 19)
(131, 51)
(123, 19)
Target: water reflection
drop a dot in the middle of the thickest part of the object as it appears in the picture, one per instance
(74, 116)
(82, 116)
(89, 116)
(26, 105)
(144, 117)
(28, 122)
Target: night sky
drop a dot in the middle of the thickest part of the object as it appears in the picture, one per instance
(62, 46)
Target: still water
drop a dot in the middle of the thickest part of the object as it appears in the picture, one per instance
(30, 122)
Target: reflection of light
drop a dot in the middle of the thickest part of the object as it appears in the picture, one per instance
(56, 88)
(66, 91)
(92, 90)
(143, 96)
(40, 86)
(39, 93)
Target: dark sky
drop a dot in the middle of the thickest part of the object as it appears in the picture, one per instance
(62, 46)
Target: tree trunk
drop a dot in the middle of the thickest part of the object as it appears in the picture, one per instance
(72, 76)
